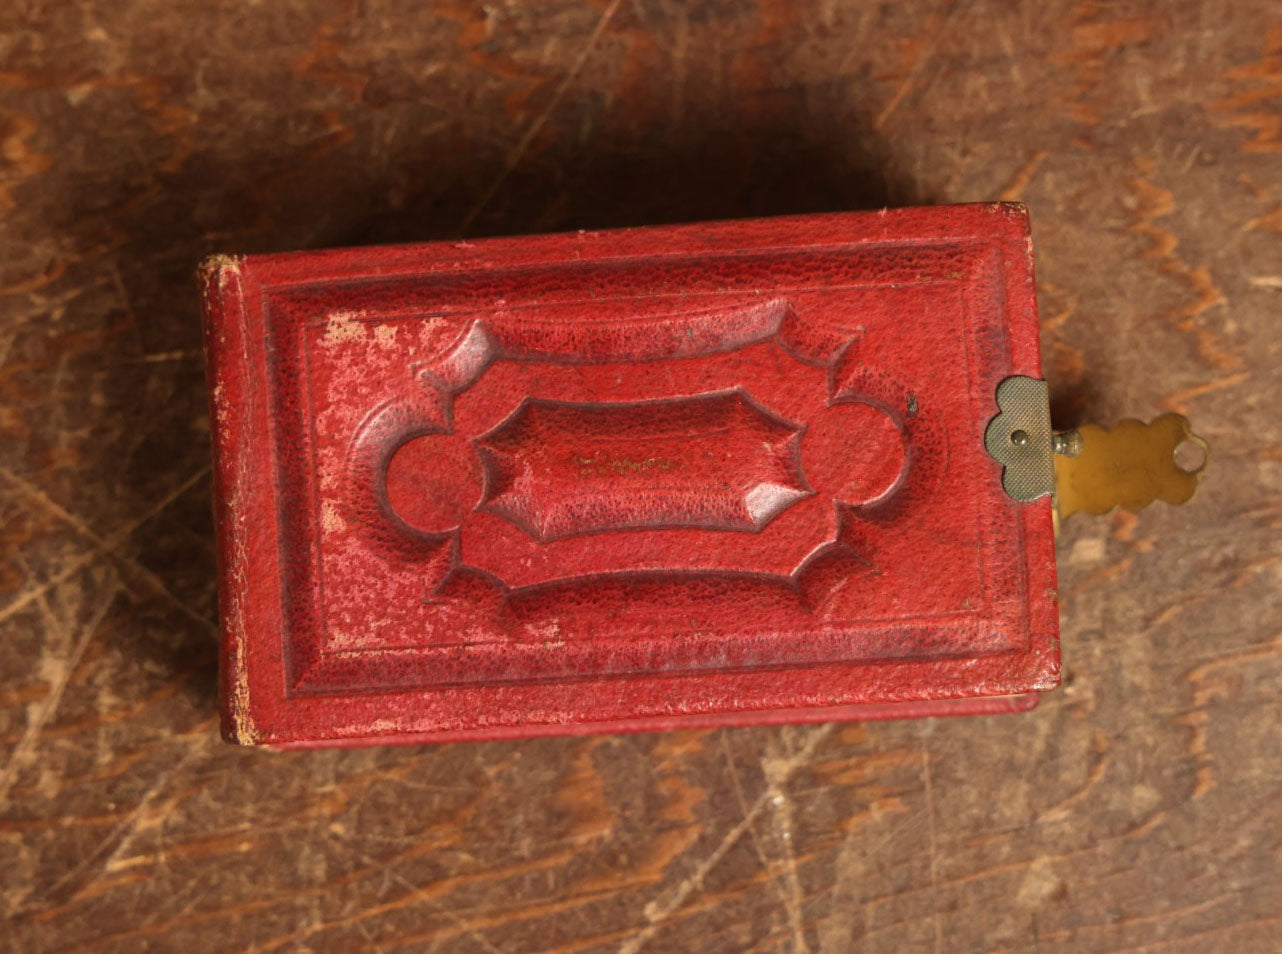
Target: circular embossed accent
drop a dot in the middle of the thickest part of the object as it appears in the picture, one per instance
(854, 453)
(434, 481)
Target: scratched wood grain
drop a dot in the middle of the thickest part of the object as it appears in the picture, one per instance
(1137, 811)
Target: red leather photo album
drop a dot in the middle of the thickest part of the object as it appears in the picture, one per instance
(718, 474)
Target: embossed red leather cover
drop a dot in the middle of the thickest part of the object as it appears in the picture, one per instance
(725, 473)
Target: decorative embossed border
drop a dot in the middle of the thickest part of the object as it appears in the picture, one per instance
(259, 550)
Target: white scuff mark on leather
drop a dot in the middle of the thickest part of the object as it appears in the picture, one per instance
(342, 327)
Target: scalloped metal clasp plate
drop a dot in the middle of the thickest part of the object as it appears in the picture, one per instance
(1019, 438)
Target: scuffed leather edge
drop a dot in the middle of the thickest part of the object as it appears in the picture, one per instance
(226, 367)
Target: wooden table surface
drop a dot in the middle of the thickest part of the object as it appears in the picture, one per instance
(1138, 810)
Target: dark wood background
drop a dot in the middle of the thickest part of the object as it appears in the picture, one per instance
(1138, 810)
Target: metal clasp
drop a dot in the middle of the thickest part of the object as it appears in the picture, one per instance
(1092, 468)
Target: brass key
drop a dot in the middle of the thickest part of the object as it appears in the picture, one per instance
(1129, 465)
